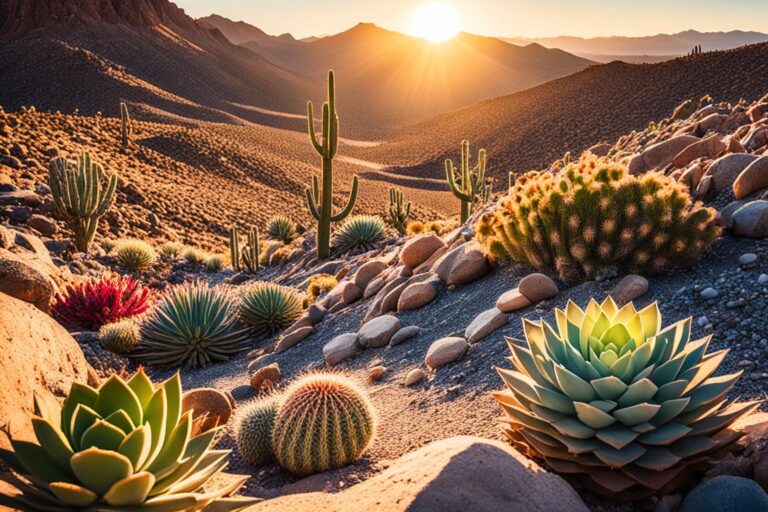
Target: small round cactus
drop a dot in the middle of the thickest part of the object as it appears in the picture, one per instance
(135, 255)
(415, 227)
(359, 231)
(281, 228)
(325, 422)
(268, 308)
(119, 337)
(254, 431)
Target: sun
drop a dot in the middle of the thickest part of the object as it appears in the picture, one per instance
(435, 22)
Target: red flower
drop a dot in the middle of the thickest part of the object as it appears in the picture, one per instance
(91, 304)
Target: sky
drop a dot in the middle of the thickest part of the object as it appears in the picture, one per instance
(530, 18)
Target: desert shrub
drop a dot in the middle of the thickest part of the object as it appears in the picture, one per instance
(170, 250)
(108, 244)
(281, 228)
(135, 255)
(324, 422)
(268, 249)
(441, 227)
(91, 304)
(192, 325)
(194, 256)
(595, 219)
(320, 284)
(359, 231)
(415, 227)
(108, 448)
(215, 262)
(120, 337)
(623, 405)
(267, 307)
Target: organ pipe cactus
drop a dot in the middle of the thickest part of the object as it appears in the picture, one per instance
(248, 256)
(611, 398)
(125, 126)
(399, 210)
(467, 183)
(125, 446)
(81, 195)
(320, 202)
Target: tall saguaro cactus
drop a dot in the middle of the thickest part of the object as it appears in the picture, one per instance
(467, 183)
(81, 195)
(125, 125)
(320, 202)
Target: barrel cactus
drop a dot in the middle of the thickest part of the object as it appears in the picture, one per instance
(254, 431)
(119, 337)
(268, 308)
(191, 326)
(125, 446)
(281, 228)
(618, 403)
(359, 231)
(325, 422)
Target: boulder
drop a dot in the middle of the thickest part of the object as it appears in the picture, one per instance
(462, 265)
(266, 378)
(291, 339)
(711, 147)
(726, 214)
(484, 324)
(376, 333)
(444, 351)
(459, 474)
(418, 249)
(753, 178)
(711, 122)
(42, 224)
(427, 265)
(726, 494)
(600, 149)
(414, 376)
(726, 169)
(37, 356)
(211, 405)
(375, 309)
(537, 287)
(751, 220)
(340, 348)
(22, 276)
(416, 295)
(630, 288)
(404, 334)
(660, 154)
(512, 301)
(756, 138)
(367, 272)
(350, 293)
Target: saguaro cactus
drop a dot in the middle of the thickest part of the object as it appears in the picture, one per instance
(321, 207)
(399, 210)
(467, 183)
(125, 125)
(248, 255)
(81, 196)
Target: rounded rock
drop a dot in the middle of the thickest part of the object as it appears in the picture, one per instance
(340, 348)
(376, 333)
(367, 272)
(266, 378)
(418, 249)
(404, 334)
(445, 351)
(726, 494)
(512, 300)
(416, 295)
(630, 288)
(211, 406)
(414, 376)
(538, 287)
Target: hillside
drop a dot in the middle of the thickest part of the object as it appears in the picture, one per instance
(532, 128)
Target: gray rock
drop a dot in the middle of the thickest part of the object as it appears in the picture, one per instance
(377, 332)
(404, 334)
(416, 295)
(367, 272)
(418, 249)
(748, 258)
(484, 324)
(461, 265)
(538, 287)
(445, 351)
(725, 169)
(630, 288)
(340, 348)
(709, 293)
(751, 220)
(289, 340)
(512, 301)
(726, 494)
(763, 279)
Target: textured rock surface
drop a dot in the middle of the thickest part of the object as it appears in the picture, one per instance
(537, 287)
(462, 265)
(340, 348)
(629, 289)
(726, 494)
(512, 301)
(416, 295)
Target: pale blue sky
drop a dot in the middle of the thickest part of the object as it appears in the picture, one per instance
(530, 18)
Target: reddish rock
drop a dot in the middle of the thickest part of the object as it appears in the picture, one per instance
(418, 249)
(711, 147)
(752, 179)
(537, 287)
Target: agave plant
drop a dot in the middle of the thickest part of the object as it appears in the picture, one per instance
(621, 405)
(268, 307)
(125, 446)
(359, 231)
(91, 304)
(191, 326)
(281, 228)
(135, 255)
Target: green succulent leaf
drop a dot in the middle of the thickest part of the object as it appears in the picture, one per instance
(73, 494)
(132, 490)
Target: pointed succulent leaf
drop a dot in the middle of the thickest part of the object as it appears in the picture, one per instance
(102, 435)
(82, 419)
(53, 442)
(78, 394)
(116, 395)
(137, 445)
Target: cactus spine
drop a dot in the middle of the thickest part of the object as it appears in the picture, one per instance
(125, 125)
(398, 212)
(321, 206)
(80, 195)
(467, 183)
(248, 255)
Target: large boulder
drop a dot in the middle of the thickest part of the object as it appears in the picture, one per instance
(726, 169)
(752, 179)
(367, 272)
(459, 474)
(751, 220)
(26, 269)
(37, 356)
(463, 264)
(726, 494)
(418, 249)
(376, 333)
(660, 154)
(711, 147)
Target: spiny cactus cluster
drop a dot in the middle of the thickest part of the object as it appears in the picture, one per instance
(122, 447)
(359, 231)
(415, 227)
(322, 422)
(247, 257)
(467, 183)
(399, 210)
(268, 308)
(593, 219)
(82, 195)
(120, 337)
(135, 255)
(321, 206)
(282, 228)
(91, 304)
(191, 326)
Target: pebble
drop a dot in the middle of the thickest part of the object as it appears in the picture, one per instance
(709, 293)
(702, 321)
(763, 279)
(748, 258)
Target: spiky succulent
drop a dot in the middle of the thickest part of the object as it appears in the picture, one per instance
(125, 446)
(254, 431)
(281, 228)
(170, 250)
(324, 422)
(594, 219)
(617, 402)
(91, 304)
(215, 262)
(120, 337)
(359, 231)
(268, 308)
(135, 255)
(191, 326)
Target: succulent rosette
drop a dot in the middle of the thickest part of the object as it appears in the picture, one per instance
(615, 401)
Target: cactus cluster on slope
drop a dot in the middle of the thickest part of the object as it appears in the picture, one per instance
(467, 183)
(399, 210)
(594, 219)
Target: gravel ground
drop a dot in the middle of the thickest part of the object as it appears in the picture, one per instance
(456, 399)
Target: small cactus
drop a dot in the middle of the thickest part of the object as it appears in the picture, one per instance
(325, 422)
(399, 210)
(415, 227)
(125, 126)
(135, 255)
(247, 257)
(467, 183)
(253, 432)
(119, 337)
(281, 228)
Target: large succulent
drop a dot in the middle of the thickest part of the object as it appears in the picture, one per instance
(125, 446)
(610, 398)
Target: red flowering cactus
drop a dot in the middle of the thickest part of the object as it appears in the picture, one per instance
(91, 304)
